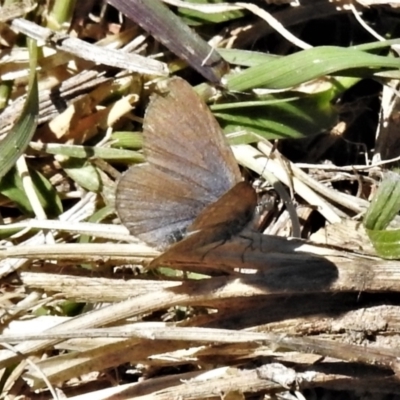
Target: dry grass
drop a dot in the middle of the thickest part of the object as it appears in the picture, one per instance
(82, 316)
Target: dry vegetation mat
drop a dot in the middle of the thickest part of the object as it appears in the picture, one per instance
(199, 199)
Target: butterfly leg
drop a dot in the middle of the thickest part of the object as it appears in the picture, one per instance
(221, 243)
(250, 245)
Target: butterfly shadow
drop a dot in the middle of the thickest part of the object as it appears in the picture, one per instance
(278, 264)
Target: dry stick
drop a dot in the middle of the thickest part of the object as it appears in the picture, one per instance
(153, 352)
(39, 371)
(91, 252)
(193, 385)
(79, 211)
(261, 13)
(264, 253)
(69, 89)
(105, 231)
(353, 203)
(290, 278)
(378, 356)
(91, 289)
(31, 194)
(287, 200)
(15, 10)
(251, 158)
(230, 380)
(87, 51)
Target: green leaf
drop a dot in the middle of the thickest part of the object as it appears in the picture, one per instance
(5, 92)
(47, 194)
(127, 140)
(17, 140)
(97, 217)
(71, 308)
(85, 152)
(246, 58)
(11, 187)
(307, 115)
(83, 173)
(194, 17)
(381, 44)
(256, 103)
(241, 137)
(384, 207)
(61, 11)
(386, 243)
(385, 204)
(295, 69)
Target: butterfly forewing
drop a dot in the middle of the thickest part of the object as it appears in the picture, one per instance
(233, 210)
(217, 223)
(186, 141)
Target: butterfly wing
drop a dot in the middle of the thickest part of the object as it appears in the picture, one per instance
(218, 222)
(183, 138)
(155, 206)
(190, 166)
(230, 213)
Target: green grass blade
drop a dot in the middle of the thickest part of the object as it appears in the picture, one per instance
(194, 17)
(295, 69)
(17, 140)
(83, 173)
(281, 118)
(85, 152)
(383, 208)
(46, 193)
(246, 58)
(12, 188)
(127, 140)
(386, 243)
(385, 204)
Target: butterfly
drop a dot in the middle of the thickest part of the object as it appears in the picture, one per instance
(190, 192)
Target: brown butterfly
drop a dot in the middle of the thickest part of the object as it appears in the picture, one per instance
(190, 191)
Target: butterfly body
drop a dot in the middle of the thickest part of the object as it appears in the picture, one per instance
(191, 181)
